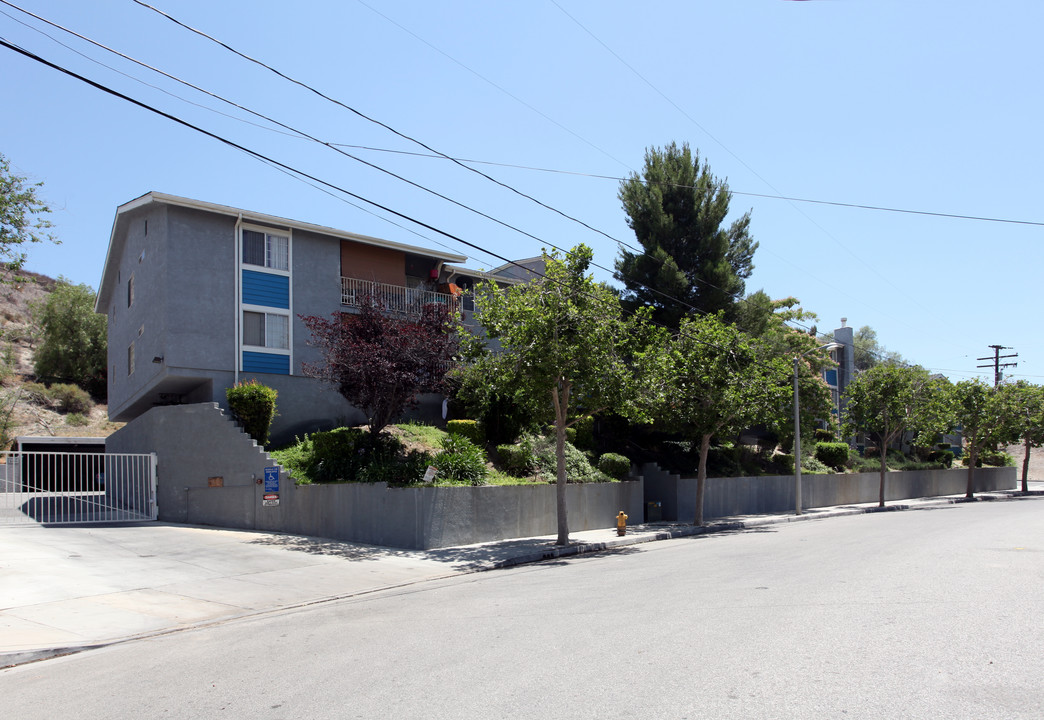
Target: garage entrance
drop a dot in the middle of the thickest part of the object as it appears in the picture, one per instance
(69, 488)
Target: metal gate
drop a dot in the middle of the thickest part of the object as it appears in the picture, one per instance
(73, 488)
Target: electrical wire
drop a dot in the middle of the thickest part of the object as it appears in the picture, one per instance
(294, 172)
(447, 157)
(617, 178)
(295, 132)
(485, 79)
(366, 117)
(297, 172)
(723, 146)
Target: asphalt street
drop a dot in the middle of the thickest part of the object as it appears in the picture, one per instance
(920, 614)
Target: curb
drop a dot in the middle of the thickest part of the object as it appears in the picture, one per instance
(582, 548)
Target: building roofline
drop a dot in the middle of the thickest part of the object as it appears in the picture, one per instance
(515, 263)
(251, 216)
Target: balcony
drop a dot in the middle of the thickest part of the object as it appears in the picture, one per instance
(395, 298)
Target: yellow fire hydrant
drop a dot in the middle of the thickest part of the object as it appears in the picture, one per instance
(621, 524)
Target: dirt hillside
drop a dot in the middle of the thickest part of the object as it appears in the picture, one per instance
(18, 339)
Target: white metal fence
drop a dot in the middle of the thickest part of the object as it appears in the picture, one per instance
(394, 298)
(72, 488)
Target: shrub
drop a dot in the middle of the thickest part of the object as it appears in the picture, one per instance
(570, 434)
(722, 461)
(614, 465)
(783, 463)
(37, 393)
(347, 454)
(461, 460)
(832, 454)
(825, 436)
(76, 420)
(578, 468)
(994, 458)
(70, 398)
(254, 406)
(411, 469)
(584, 433)
(470, 429)
(517, 460)
(942, 457)
(813, 466)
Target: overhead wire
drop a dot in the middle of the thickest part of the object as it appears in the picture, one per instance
(769, 196)
(366, 117)
(286, 167)
(296, 132)
(302, 176)
(485, 79)
(334, 147)
(720, 143)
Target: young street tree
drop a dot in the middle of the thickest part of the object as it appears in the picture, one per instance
(567, 350)
(1024, 407)
(677, 209)
(22, 220)
(380, 362)
(888, 400)
(712, 380)
(73, 346)
(983, 417)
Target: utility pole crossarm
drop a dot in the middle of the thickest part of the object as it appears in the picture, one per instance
(996, 364)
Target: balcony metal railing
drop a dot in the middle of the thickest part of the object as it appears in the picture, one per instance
(394, 298)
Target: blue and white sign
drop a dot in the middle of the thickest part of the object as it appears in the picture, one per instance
(272, 479)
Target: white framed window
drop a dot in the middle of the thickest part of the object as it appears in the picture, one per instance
(266, 330)
(265, 249)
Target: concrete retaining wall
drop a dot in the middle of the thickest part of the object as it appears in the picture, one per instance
(775, 494)
(198, 443)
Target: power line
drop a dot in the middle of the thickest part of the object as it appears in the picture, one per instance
(769, 196)
(336, 147)
(369, 119)
(296, 172)
(664, 295)
(493, 84)
(724, 147)
(253, 153)
(295, 132)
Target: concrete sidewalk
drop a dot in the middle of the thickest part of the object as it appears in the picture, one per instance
(65, 589)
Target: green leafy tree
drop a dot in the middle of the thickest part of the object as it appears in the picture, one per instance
(984, 418)
(73, 345)
(22, 220)
(1023, 405)
(888, 400)
(766, 320)
(714, 381)
(678, 210)
(567, 351)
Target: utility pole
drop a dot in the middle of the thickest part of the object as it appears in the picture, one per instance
(996, 364)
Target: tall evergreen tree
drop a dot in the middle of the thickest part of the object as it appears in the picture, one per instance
(677, 210)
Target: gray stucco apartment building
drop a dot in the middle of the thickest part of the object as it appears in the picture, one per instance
(200, 296)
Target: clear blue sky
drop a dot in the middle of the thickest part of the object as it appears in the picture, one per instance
(931, 106)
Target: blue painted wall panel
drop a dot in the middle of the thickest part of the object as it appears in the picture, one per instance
(266, 363)
(831, 377)
(260, 288)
